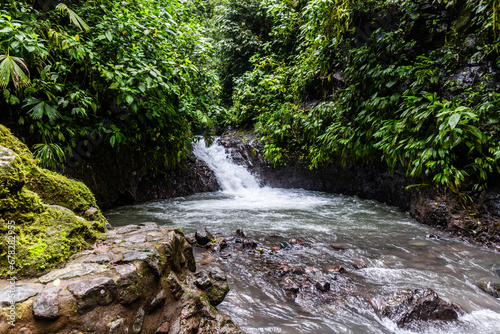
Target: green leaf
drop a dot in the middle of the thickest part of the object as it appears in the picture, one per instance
(129, 99)
(453, 120)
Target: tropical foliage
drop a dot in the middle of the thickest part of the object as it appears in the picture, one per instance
(130, 75)
(412, 83)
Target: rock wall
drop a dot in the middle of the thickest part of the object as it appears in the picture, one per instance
(479, 222)
(141, 279)
(120, 178)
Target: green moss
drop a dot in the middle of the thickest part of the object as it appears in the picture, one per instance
(45, 207)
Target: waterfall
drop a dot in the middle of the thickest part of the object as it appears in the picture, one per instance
(232, 178)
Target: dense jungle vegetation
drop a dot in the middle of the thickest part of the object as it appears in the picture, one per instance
(413, 83)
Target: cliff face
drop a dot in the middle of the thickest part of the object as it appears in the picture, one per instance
(44, 217)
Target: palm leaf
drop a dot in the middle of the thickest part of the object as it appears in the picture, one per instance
(13, 68)
(73, 17)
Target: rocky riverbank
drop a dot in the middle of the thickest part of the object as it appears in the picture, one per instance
(475, 218)
(138, 279)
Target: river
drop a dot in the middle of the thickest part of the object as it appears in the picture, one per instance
(396, 249)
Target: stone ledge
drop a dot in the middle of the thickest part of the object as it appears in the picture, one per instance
(145, 285)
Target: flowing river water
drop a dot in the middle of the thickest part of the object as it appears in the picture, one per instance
(396, 249)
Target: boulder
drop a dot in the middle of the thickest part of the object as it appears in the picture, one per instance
(93, 292)
(203, 237)
(410, 306)
(46, 304)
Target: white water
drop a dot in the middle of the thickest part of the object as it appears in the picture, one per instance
(392, 244)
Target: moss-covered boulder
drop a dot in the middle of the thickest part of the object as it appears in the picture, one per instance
(45, 209)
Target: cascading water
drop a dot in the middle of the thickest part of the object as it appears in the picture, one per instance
(397, 252)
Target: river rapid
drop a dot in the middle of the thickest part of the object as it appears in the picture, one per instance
(399, 254)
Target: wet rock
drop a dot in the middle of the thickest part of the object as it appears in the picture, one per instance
(158, 301)
(490, 285)
(337, 246)
(417, 305)
(217, 244)
(289, 284)
(240, 233)
(46, 304)
(163, 329)
(214, 282)
(108, 226)
(249, 244)
(495, 269)
(359, 264)
(117, 327)
(433, 236)
(322, 286)
(93, 292)
(139, 319)
(284, 245)
(73, 270)
(336, 269)
(297, 242)
(175, 287)
(23, 291)
(190, 239)
(203, 237)
(275, 249)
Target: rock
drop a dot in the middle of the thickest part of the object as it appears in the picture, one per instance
(275, 249)
(495, 269)
(73, 270)
(284, 245)
(157, 302)
(490, 285)
(359, 264)
(136, 239)
(130, 287)
(108, 226)
(296, 242)
(163, 329)
(101, 258)
(203, 237)
(176, 288)
(46, 304)
(139, 319)
(22, 292)
(90, 213)
(337, 246)
(240, 233)
(336, 269)
(322, 286)
(191, 240)
(289, 284)
(249, 244)
(118, 327)
(218, 244)
(203, 281)
(127, 229)
(214, 282)
(93, 292)
(147, 254)
(417, 305)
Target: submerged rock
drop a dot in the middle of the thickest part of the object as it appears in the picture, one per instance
(490, 285)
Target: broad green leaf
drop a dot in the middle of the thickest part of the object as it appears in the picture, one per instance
(453, 120)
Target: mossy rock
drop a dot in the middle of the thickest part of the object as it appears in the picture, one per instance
(46, 208)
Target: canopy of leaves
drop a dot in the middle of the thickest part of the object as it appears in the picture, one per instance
(135, 73)
(414, 83)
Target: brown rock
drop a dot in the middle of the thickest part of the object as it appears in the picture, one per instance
(163, 329)
(336, 269)
(359, 264)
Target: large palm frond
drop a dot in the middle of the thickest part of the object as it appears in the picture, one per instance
(73, 17)
(15, 69)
